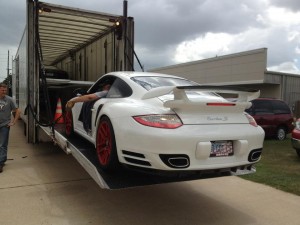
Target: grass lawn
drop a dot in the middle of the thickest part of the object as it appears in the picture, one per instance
(279, 167)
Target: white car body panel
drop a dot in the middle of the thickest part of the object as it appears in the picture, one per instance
(202, 124)
(173, 142)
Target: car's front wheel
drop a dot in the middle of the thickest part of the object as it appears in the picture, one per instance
(281, 134)
(106, 145)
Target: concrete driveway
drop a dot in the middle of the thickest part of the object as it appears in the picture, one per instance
(41, 185)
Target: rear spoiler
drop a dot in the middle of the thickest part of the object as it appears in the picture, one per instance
(244, 95)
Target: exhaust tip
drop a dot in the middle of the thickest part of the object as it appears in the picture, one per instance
(178, 161)
(254, 155)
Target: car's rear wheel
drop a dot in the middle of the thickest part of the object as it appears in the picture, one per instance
(69, 127)
(106, 145)
(281, 133)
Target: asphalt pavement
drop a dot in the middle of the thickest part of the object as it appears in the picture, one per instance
(41, 185)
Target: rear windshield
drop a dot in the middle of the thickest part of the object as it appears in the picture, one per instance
(153, 82)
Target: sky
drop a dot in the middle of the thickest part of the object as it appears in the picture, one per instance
(169, 32)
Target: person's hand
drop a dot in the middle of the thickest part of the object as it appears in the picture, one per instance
(11, 124)
(69, 105)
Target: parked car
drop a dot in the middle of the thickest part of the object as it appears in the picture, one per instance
(296, 137)
(168, 123)
(53, 72)
(273, 115)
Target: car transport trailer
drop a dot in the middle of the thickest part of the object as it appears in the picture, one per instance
(83, 45)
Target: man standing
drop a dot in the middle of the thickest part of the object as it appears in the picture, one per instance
(7, 106)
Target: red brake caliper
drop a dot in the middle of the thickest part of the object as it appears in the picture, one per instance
(104, 143)
(68, 122)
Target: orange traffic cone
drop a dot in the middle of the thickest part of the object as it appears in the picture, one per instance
(58, 118)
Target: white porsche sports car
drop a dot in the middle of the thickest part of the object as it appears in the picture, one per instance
(168, 123)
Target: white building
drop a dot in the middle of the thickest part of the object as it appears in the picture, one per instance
(245, 69)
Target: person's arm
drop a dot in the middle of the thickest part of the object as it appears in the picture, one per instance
(83, 98)
(16, 117)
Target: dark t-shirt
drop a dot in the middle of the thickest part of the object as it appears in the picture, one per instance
(7, 105)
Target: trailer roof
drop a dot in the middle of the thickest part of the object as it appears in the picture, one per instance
(64, 30)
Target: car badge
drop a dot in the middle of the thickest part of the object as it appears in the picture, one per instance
(217, 118)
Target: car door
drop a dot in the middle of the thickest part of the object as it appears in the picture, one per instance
(119, 89)
(264, 115)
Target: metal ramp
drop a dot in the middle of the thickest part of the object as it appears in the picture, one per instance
(84, 152)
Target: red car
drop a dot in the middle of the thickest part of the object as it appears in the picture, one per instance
(296, 137)
(273, 115)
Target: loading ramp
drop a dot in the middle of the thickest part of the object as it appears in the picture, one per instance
(84, 152)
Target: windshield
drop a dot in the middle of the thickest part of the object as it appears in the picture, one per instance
(153, 82)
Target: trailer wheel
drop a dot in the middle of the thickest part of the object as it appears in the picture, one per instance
(106, 146)
(69, 127)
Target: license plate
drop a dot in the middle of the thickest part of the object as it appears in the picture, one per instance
(221, 148)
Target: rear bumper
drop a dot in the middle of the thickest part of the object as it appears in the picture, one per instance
(295, 143)
(189, 146)
(197, 174)
(296, 139)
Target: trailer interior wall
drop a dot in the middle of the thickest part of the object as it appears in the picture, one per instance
(86, 44)
(94, 60)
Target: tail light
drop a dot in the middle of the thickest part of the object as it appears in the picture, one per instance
(168, 121)
(251, 120)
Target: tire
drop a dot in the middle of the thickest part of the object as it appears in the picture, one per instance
(106, 146)
(280, 134)
(69, 125)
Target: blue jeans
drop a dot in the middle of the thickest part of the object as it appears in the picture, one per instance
(4, 135)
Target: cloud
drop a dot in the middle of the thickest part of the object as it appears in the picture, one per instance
(173, 31)
(204, 47)
(12, 17)
(293, 5)
(281, 37)
(167, 23)
(287, 67)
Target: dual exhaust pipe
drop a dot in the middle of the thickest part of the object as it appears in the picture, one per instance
(181, 161)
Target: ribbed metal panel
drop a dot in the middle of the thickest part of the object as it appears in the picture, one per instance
(290, 87)
(272, 78)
